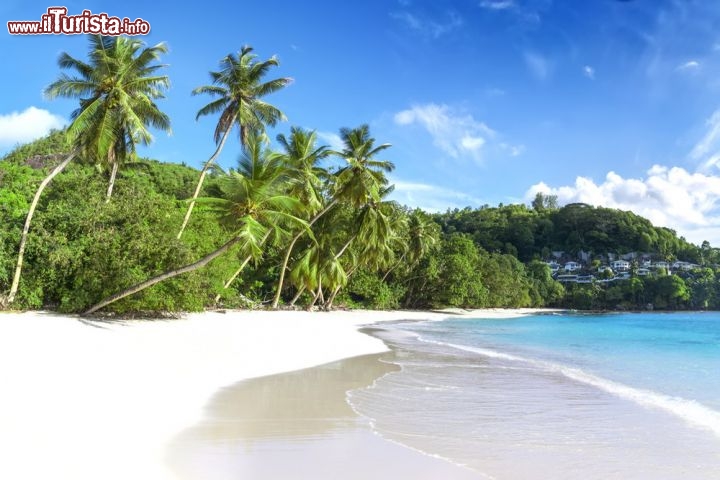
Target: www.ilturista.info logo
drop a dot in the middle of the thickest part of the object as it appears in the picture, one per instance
(57, 22)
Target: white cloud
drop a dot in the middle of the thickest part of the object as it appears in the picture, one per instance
(710, 163)
(707, 150)
(589, 72)
(513, 150)
(431, 198)
(528, 13)
(471, 143)
(30, 124)
(458, 135)
(538, 65)
(668, 196)
(429, 27)
(497, 4)
(690, 65)
(333, 140)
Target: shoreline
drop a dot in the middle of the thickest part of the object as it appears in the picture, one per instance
(300, 424)
(88, 398)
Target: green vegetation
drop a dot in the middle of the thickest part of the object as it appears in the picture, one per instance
(280, 229)
(352, 247)
(116, 91)
(240, 89)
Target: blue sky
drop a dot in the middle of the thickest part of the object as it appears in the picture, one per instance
(608, 102)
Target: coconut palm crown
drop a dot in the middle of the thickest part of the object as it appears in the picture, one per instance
(239, 87)
(117, 88)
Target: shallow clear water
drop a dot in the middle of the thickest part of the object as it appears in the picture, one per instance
(557, 396)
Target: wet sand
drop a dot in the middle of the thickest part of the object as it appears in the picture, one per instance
(84, 399)
(298, 425)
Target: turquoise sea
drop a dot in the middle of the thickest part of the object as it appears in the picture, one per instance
(559, 396)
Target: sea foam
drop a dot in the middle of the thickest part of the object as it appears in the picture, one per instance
(691, 411)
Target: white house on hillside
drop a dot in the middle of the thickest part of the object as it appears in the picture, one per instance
(567, 278)
(572, 266)
(554, 266)
(620, 265)
(680, 265)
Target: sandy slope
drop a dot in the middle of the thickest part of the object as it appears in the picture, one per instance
(89, 400)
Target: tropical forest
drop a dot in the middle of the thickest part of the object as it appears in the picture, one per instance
(89, 226)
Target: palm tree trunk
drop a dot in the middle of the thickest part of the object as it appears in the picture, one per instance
(332, 297)
(422, 288)
(113, 173)
(206, 167)
(234, 276)
(345, 247)
(159, 278)
(315, 298)
(237, 272)
(394, 266)
(276, 300)
(297, 295)
(330, 301)
(26, 228)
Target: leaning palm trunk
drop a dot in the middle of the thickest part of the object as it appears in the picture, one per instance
(234, 276)
(297, 295)
(203, 173)
(173, 273)
(345, 247)
(330, 301)
(276, 300)
(318, 294)
(26, 228)
(394, 266)
(239, 270)
(113, 173)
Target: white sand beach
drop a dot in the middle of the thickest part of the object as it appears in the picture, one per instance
(86, 399)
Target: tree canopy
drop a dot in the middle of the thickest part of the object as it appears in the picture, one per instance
(282, 227)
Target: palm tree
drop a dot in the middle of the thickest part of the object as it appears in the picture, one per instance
(116, 89)
(319, 268)
(304, 275)
(375, 237)
(303, 157)
(423, 233)
(330, 232)
(262, 166)
(253, 202)
(333, 276)
(359, 182)
(10, 298)
(362, 179)
(240, 88)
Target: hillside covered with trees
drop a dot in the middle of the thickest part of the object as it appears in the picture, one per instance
(82, 248)
(86, 225)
